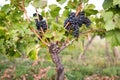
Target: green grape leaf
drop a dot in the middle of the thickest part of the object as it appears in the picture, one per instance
(39, 3)
(27, 2)
(46, 14)
(2, 28)
(84, 1)
(72, 5)
(58, 36)
(48, 57)
(91, 12)
(61, 1)
(61, 21)
(89, 6)
(17, 54)
(2, 31)
(107, 4)
(116, 20)
(66, 13)
(6, 8)
(113, 36)
(107, 15)
(33, 54)
(56, 26)
(111, 21)
(54, 10)
(109, 25)
(1, 42)
(115, 2)
(48, 35)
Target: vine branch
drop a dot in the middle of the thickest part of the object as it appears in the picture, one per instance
(64, 45)
(28, 20)
(77, 11)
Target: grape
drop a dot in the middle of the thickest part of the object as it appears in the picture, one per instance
(40, 17)
(87, 22)
(40, 24)
(44, 25)
(74, 26)
(72, 14)
(75, 31)
(75, 22)
(65, 22)
(81, 13)
(83, 19)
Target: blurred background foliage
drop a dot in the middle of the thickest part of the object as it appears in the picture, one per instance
(23, 56)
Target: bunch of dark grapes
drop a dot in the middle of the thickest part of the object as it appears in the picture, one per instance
(73, 23)
(40, 23)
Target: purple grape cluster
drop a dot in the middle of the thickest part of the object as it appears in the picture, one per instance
(75, 22)
(40, 23)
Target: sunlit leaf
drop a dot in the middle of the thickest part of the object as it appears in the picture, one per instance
(61, 1)
(116, 20)
(109, 25)
(107, 4)
(89, 6)
(54, 10)
(107, 15)
(113, 37)
(39, 3)
(33, 54)
(116, 2)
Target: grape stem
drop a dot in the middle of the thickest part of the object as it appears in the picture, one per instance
(41, 27)
(37, 15)
(66, 44)
(32, 29)
(77, 11)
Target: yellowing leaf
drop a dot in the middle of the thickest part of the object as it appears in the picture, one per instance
(115, 2)
(33, 54)
(109, 25)
(107, 15)
(39, 3)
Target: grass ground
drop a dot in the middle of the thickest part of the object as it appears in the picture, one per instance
(93, 66)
